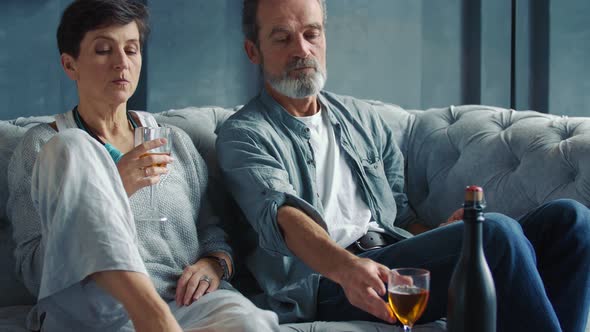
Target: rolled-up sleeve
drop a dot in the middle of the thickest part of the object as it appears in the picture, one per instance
(260, 185)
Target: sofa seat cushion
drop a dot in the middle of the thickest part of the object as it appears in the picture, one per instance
(13, 318)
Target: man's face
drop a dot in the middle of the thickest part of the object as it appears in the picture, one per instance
(292, 46)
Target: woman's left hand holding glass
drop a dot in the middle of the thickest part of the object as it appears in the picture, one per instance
(197, 280)
(139, 169)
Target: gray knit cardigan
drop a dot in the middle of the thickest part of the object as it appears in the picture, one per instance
(192, 230)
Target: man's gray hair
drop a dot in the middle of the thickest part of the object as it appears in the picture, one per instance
(250, 20)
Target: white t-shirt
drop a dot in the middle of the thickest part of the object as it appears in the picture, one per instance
(347, 215)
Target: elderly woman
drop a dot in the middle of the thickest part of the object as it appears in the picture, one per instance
(76, 185)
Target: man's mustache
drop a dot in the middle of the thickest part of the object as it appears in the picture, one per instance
(300, 63)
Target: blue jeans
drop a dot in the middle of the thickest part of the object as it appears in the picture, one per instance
(540, 265)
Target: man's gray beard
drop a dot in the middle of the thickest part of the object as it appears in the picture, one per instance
(300, 87)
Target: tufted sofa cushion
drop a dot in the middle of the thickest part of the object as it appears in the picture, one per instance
(521, 159)
(12, 290)
(200, 124)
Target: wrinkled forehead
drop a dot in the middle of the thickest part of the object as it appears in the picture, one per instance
(290, 14)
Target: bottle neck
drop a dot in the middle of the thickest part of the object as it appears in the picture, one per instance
(472, 234)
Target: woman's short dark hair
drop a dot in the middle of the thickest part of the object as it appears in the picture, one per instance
(82, 16)
(250, 25)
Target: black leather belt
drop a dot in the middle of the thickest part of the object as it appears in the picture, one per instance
(371, 240)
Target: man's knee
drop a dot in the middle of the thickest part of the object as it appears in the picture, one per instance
(573, 223)
(562, 218)
(502, 226)
(568, 211)
(504, 235)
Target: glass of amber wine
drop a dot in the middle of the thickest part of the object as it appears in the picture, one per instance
(142, 135)
(407, 291)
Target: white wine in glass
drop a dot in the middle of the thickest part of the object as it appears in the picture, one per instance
(407, 291)
(142, 135)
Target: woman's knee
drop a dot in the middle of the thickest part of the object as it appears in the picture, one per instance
(257, 319)
(65, 146)
(241, 315)
(70, 139)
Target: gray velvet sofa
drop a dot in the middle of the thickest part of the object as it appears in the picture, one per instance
(521, 158)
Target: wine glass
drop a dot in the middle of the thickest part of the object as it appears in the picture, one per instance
(142, 135)
(408, 290)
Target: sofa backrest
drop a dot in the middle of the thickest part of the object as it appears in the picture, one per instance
(12, 290)
(200, 124)
(520, 158)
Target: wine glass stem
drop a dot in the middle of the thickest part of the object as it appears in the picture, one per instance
(153, 197)
(407, 328)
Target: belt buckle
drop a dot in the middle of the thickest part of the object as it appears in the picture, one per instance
(363, 249)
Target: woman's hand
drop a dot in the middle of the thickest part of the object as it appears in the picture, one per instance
(456, 216)
(139, 169)
(198, 279)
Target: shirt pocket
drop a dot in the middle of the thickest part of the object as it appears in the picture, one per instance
(373, 167)
(375, 176)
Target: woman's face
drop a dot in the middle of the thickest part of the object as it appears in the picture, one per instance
(108, 66)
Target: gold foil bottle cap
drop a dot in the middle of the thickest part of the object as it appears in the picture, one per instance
(474, 197)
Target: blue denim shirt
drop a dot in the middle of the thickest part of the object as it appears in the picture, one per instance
(267, 161)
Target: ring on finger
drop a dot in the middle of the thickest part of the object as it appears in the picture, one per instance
(206, 279)
(145, 172)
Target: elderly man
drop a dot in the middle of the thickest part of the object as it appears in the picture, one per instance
(314, 172)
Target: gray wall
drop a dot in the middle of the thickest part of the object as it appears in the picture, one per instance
(416, 53)
(195, 55)
(569, 63)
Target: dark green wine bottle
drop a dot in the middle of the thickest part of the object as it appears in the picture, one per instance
(472, 295)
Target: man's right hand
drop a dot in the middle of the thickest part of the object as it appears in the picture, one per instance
(362, 279)
(363, 282)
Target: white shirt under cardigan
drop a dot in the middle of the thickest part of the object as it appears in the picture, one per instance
(347, 215)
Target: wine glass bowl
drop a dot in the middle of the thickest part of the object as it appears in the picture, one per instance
(142, 135)
(408, 290)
